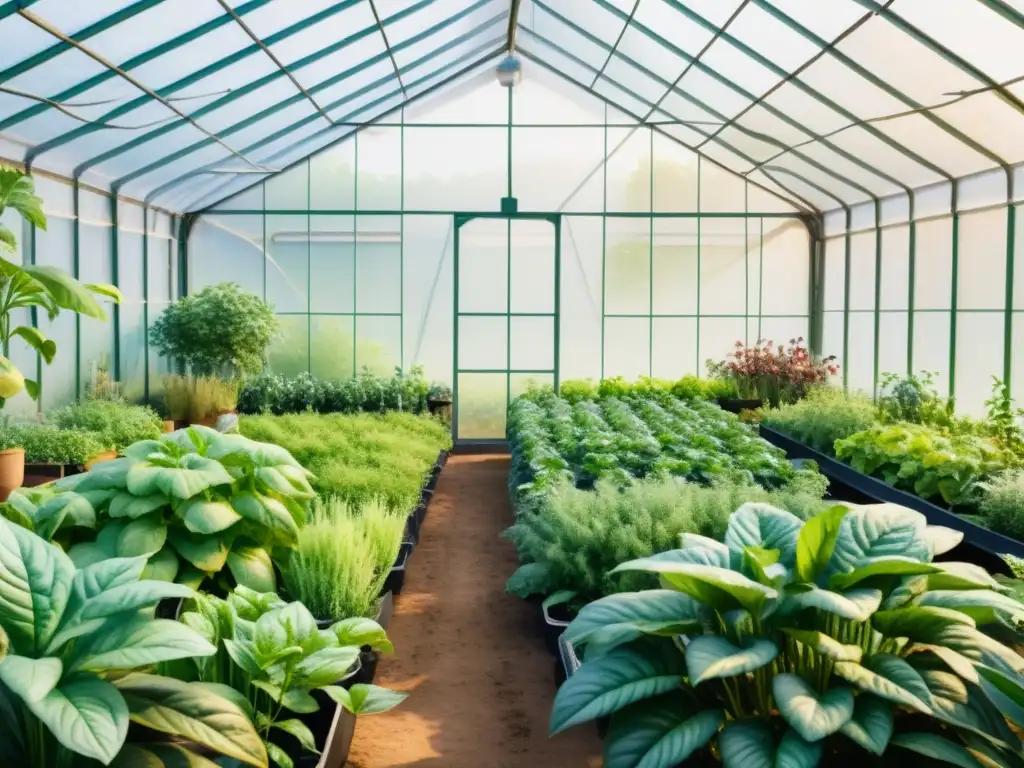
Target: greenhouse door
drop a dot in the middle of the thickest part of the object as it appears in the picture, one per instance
(506, 317)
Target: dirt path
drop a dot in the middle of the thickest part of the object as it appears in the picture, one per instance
(471, 657)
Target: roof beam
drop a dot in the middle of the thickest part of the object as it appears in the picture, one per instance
(615, 45)
(47, 27)
(387, 45)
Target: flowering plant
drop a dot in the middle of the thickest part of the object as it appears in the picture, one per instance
(774, 372)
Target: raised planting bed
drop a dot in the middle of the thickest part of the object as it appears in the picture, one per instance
(396, 578)
(554, 618)
(980, 545)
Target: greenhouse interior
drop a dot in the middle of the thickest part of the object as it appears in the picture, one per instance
(405, 382)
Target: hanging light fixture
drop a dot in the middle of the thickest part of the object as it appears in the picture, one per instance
(509, 71)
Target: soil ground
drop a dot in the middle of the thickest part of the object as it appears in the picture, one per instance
(479, 679)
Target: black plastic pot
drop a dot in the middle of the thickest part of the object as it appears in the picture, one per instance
(431, 483)
(412, 530)
(737, 404)
(425, 496)
(442, 457)
(980, 545)
(555, 620)
(396, 578)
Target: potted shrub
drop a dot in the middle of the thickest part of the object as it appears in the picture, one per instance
(199, 400)
(32, 286)
(74, 640)
(119, 423)
(766, 372)
(52, 453)
(286, 669)
(439, 399)
(820, 643)
(220, 331)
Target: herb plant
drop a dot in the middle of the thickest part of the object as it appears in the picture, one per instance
(343, 556)
(822, 417)
(198, 398)
(801, 644)
(119, 423)
(195, 502)
(1001, 506)
(75, 638)
(45, 444)
(272, 656)
(1004, 419)
(774, 373)
(273, 393)
(219, 331)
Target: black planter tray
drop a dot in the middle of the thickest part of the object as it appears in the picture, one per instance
(555, 620)
(396, 578)
(978, 543)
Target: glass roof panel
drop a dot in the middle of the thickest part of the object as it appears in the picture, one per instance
(826, 20)
(70, 18)
(765, 34)
(591, 16)
(315, 37)
(22, 39)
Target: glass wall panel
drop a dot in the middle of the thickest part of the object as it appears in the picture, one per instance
(979, 355)
(96, 346)
(982, 254)
(933, 260)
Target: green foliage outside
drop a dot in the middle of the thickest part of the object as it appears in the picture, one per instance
(358, 458)
(273, 393)
(221, 330)
(793, 643)
(119, 423)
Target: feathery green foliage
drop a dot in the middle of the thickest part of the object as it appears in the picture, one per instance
(575, 537)
(119, 423)
(45, 444)
(1002, 503)
(822, 417)
(343, 556)
(358, 458)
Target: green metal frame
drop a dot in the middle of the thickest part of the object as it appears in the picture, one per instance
(460, 221)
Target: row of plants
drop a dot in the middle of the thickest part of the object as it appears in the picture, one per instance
(243, 672)
(782, 641)
(404, 391)
(913, 439)
(636, 436)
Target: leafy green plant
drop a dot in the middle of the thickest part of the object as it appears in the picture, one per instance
(572, 539)
(1004, 419)
(194, 502)
(1001, 507)
(343, 557)
(773, 373)
(219, 331)
(75, 640)
(119, 423)
(439, 393)
(923, 460)
(273, 393)
(273, 656)
(198, 398)
(359, 458)
(46, 444)
(914, 399)
(825, 415)
(800, 644)
(34, 286)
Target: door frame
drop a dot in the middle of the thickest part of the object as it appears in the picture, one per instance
(460, 220)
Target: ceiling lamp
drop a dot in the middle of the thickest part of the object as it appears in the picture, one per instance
(509, 71)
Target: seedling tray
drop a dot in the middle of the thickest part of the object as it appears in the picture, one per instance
(980, 545)
(396, 578)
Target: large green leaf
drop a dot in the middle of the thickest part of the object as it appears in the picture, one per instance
(747, 744)
(194, 713)
(326, 666)
(962, 705)
(879, 530)
(659, 733)
(811, 715)
(128, 505)
(202, 516)
(621, 677)
(36, 339)
(979, 647)
(794, 752)
(105, 476)
(137, 641)
(373, 699)
(855, 604)
(35, 584)
(361, 631)
(981, 605)
(207, 553)
(962, 576)
(300, 731)
(628, 615)
(936, 747)
(890, 565)
(880, 685)
(62, 511)
(1005, 692)
(66, 292)
(825, 644)
(142, 537)
(87, 715)
(162, 565)
(919, 623)
(765, 526)
(192, 475)
(718, 587)
(816, 541)
(709, 657)
(278, 756)
(268, 513)
(30, 679)
(253, 568)
(17, 192)
(871, 725)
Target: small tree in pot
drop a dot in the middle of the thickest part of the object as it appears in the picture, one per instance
(439, 398)
(26, 287)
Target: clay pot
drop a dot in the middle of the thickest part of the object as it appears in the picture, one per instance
(12, 471)
(169, 426)
(105, 456)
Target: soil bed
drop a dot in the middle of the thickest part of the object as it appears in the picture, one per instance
(470, 656)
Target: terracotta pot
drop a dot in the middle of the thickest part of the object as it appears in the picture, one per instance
(105, 456)
(169, 425)
(12, 471)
